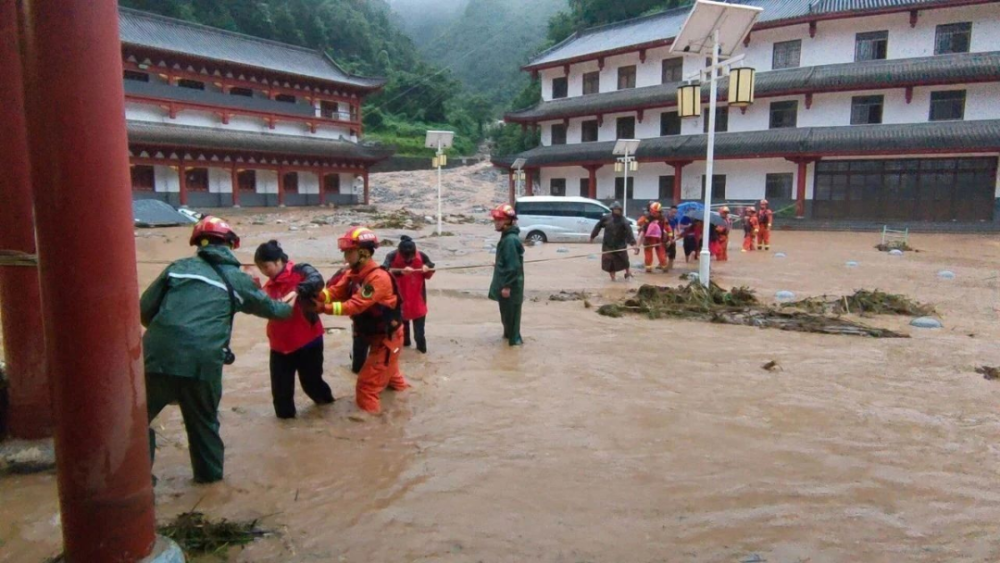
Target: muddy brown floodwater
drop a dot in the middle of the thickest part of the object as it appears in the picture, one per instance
(612, 440)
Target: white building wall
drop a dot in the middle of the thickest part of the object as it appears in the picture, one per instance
(166, 179)
(308, 183)
(267, 181)
(220, 180)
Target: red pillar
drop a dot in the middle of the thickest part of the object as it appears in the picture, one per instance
(800, 191)
(367, 195)
(236, 186)
(678, 177)
(30, 415)
(529, 184)
(321, 178)
(512, 190)
(182, 182)
(79, 152)
(592, 182)
(281, 188)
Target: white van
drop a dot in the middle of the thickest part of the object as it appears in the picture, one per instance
(560, 218)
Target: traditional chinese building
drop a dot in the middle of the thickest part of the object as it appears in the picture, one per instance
(870, 110)
(217, 118)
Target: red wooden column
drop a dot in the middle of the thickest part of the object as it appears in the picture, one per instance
(678, 176)
(281, 188)
(512, 190)
(529, 184)
(30, 415)
(182, 182)
(236, 186)
(800, 185)
(592, 179)
(367, 194)
(321, 178)
(79, 152)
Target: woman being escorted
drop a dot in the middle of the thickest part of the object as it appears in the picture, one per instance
(618, 236)
(412, 269)
(296, 343)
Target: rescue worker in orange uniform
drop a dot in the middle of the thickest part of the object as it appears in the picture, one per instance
(722, 234)
(654, 235)
(368, 294)
(766, 219)
(751, 228)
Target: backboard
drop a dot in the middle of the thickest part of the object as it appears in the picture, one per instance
(732, 20)
(623, 145)
(434, 137)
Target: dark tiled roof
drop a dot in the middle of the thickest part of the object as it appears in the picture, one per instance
(873, 75)
(167, 34)
(953, 136)
(141, 132)
(663, 27)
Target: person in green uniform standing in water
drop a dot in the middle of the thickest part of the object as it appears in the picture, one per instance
(188, 314)
(508, 273)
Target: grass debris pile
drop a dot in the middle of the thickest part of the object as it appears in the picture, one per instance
(863, 302)
(196, 534)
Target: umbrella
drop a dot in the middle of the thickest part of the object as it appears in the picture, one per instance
(699, 215)
(688, 206)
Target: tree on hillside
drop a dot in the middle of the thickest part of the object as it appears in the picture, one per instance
(588, 13)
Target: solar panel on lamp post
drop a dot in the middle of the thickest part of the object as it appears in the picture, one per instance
(440, 140)
(713, 29)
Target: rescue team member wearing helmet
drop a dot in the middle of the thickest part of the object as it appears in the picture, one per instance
(507, 287)
(188, 313)
(368, 294)
(766, 219)
(721, 251)
(751, 227)
(654, 232)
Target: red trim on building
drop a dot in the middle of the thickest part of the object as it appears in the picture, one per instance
(175, 106)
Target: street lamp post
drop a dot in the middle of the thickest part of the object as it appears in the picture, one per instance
(519, 167)
(626, 148)
(440, 140)
(715, 29)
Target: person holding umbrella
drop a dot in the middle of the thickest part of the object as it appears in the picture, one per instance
(617, 237)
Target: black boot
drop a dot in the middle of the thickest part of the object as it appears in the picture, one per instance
(422, 345)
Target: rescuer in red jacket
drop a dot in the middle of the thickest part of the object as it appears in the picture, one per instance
(297, 342)
(368, 294)
(412, 270)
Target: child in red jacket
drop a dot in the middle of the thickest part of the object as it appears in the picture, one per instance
(412, 269)
(296, 343)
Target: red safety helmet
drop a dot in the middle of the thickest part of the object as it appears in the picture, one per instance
(655, 207)
(503, 211)
(214, 228)
(358, 238)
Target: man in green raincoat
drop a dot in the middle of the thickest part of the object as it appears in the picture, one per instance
(508, 273)
(188, 313)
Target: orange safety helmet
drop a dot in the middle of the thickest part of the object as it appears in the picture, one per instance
(751, 210)
(357, 238)
(214, 228)
(503, 211)
(655, 207)
(724, 210)
(763, 202)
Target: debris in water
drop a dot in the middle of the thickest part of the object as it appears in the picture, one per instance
(587, 304)
(946, 275)
(784, 295)
(989, 373)
(23, 457)
(196, 534)
(864, 302)
(400, 219)
(895, 252)
(852, 264)
(443, 234)
(780, 255)
(739, 306)
(562, 250)
(568, 296)
(592, 257)
(690, 276)
(899, 245)
(771, 366)
(926, 322)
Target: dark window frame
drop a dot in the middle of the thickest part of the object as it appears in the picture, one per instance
(291, 182)
(670, 123)
(867, 110)
(947, 35)
(672, 70)
(945, 97)
(588, 124)
(780, 109)
(592, 83)
(717, 179)
(557, 187)
(871, 46)
(191, 84)
(286, 99)
(585, 187)
(665, 185)
(627, 74)
(775, 186)
(242, 92)
(781, 59)
(136, 76)
(557, 134)
(143, 178)
(721, 119)
(619, 188)
(619, 127)
(192, 180)
(246, 181)
(562, 91)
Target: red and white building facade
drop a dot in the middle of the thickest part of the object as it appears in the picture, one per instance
(218, 119)
(864, 110)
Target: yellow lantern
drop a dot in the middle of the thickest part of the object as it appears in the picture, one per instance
(434, 162)
(443, 159)
(689, 100)
(618, 166)
(741, 87)
(633, 166)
